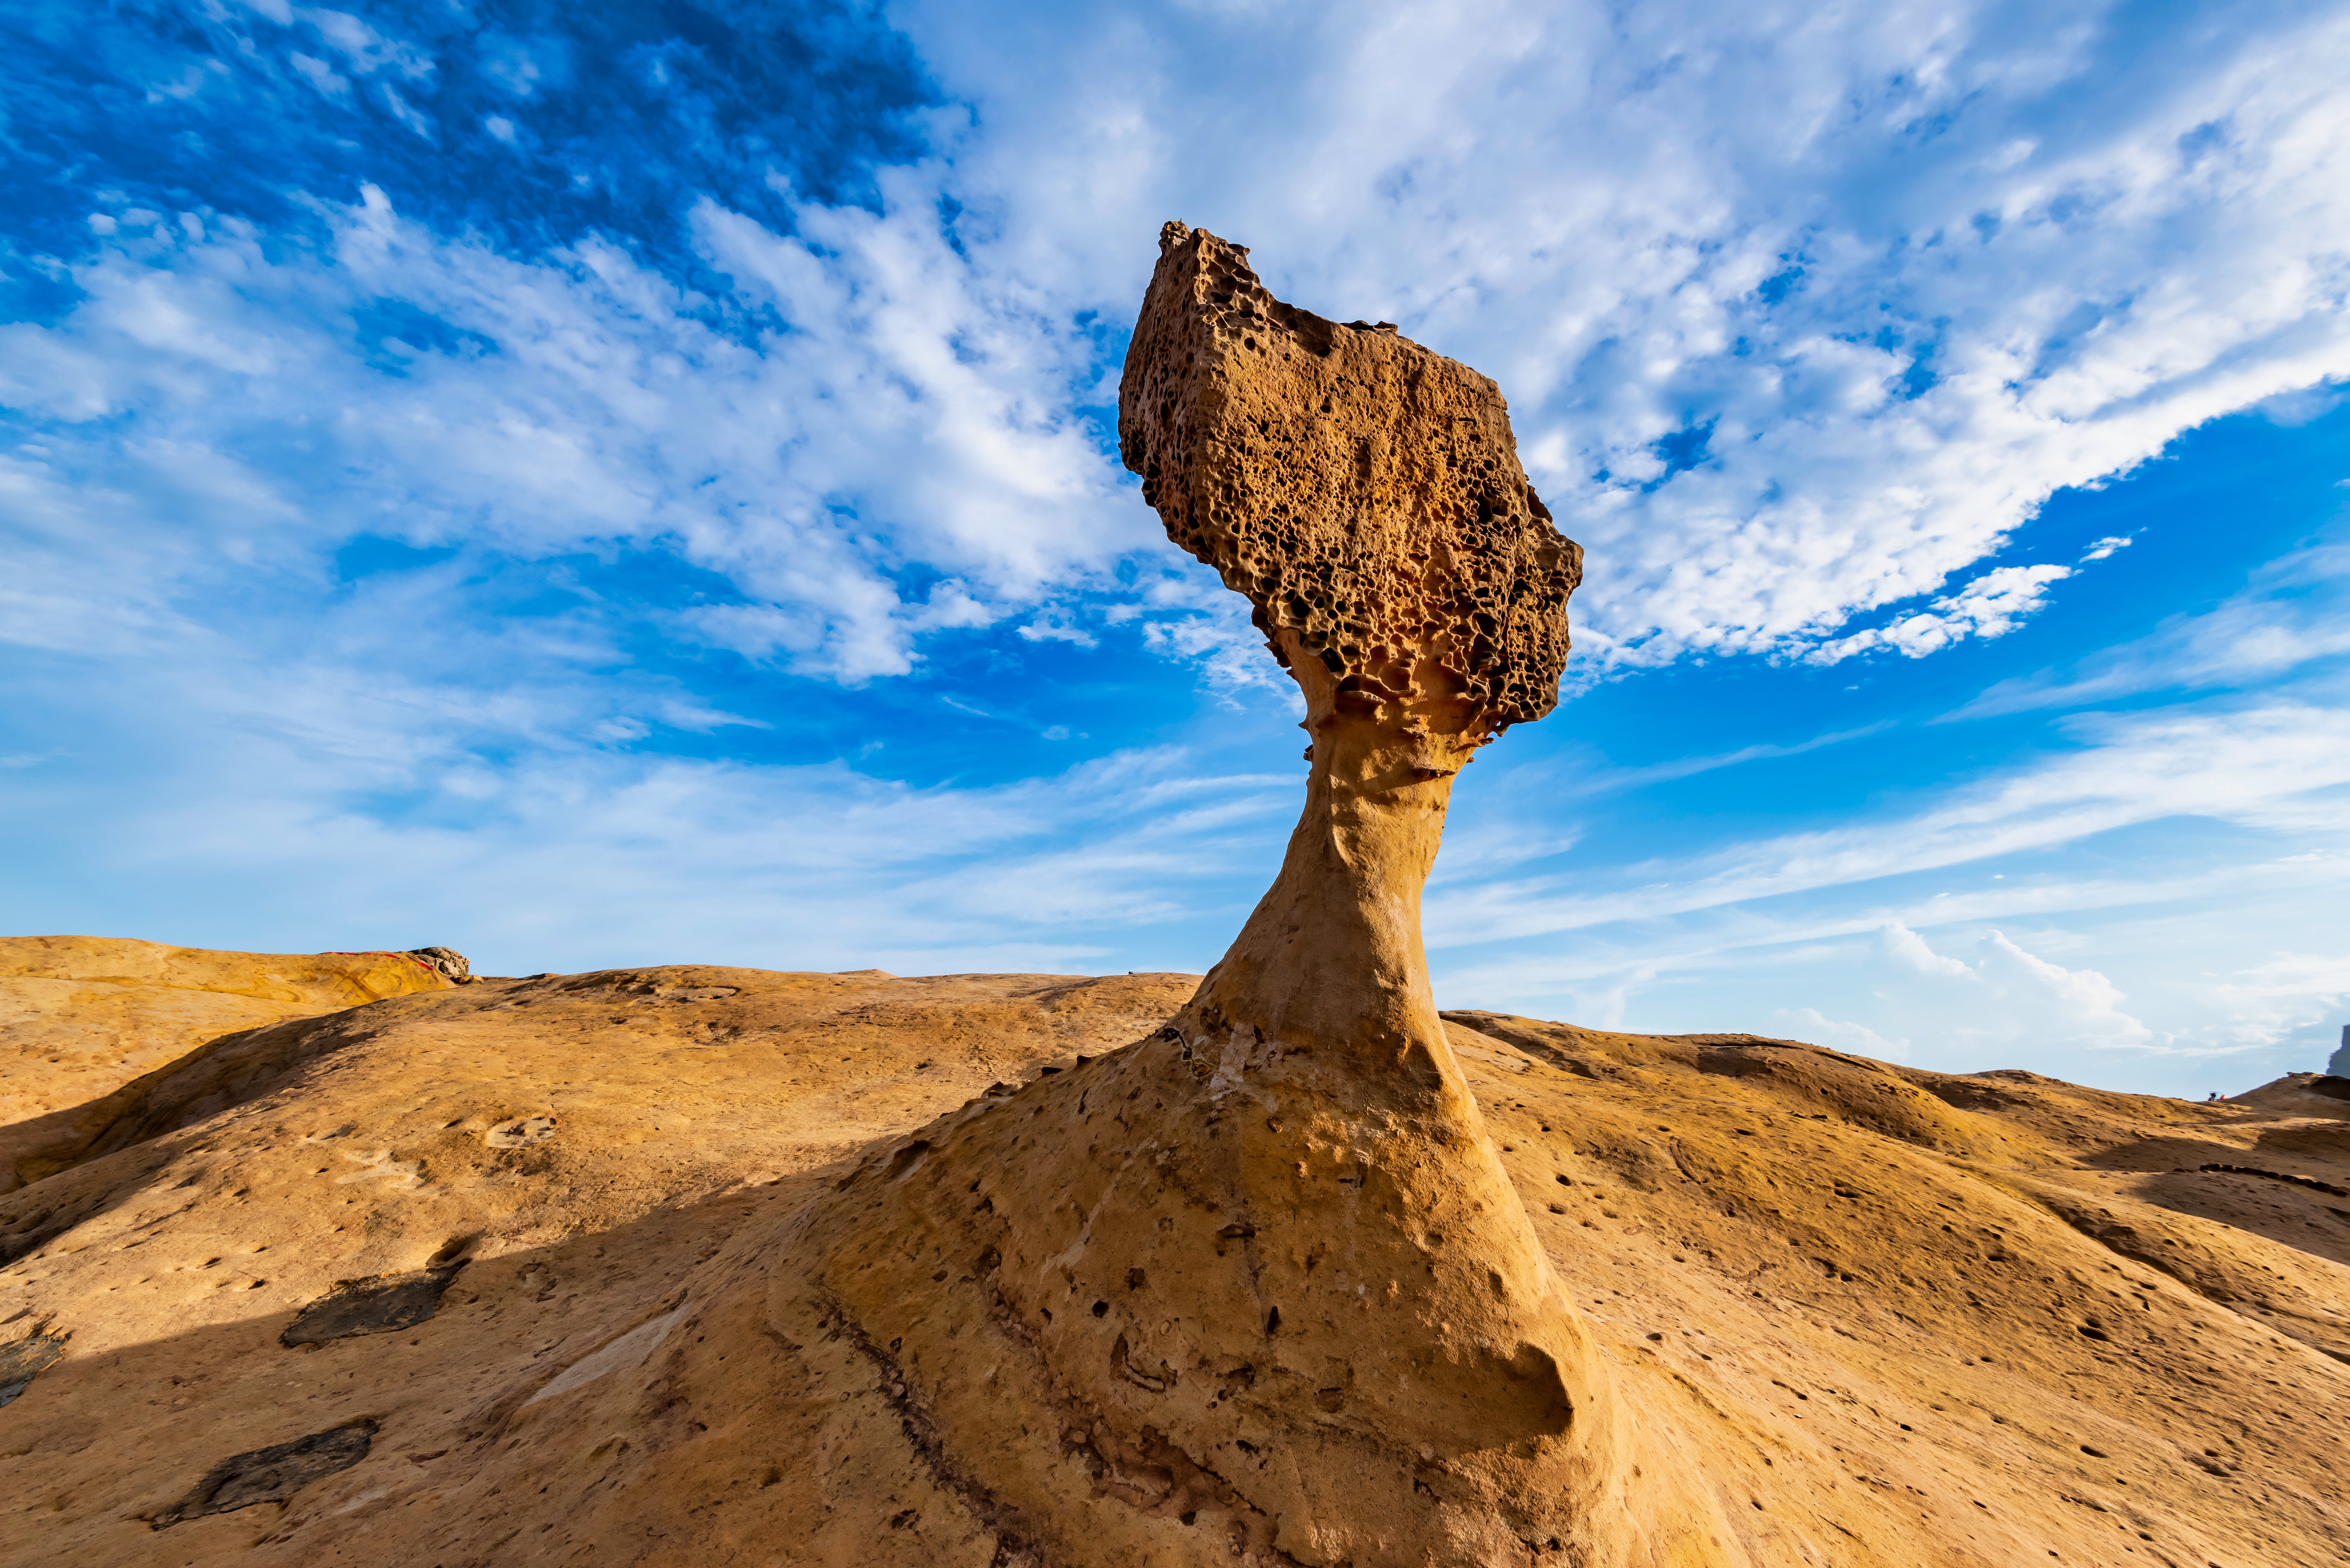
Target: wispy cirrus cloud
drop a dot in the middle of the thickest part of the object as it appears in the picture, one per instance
(2294, 613)
(2277, 766)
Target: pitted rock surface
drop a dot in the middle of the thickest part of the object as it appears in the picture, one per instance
(1364, 492)
(2039, 1302)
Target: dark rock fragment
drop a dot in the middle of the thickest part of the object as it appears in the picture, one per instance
(382, 1303)
(272, 1474)
(25, 1359)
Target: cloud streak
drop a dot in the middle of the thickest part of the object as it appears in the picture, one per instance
(2294, 612)
(2278, 765)
(1802, 314)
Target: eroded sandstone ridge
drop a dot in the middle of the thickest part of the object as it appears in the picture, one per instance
(96, 1027)
(498, 1265)
(1271, 1251)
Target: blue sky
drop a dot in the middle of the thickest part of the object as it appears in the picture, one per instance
(636, 483)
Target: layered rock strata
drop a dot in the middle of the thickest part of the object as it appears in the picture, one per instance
(1258, 1286)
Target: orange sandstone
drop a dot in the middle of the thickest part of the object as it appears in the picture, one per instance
(1272, 1250)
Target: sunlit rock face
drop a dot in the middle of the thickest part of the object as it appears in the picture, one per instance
(110, 1024)
(1269, 1281)
(1363, 492)
(333, 1258)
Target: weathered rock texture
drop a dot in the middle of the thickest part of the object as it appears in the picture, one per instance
(1903, 1317)
(721, 1267)
(1271, 1250)
(84, 1018)
(1361, 490)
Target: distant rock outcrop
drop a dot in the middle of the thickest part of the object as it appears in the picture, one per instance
(447, 962)
(87, 1019)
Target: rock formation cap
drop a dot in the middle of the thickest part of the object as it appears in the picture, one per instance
(1362, 491)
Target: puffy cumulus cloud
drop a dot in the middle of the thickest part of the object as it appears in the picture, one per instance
(869, 440)
(1801, 311)
(1907, 946)
(2076, 1002)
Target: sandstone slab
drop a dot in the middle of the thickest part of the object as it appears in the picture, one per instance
(81, 1017)
(1860, 1290)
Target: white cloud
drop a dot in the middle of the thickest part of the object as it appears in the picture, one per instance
(405, 112)
(2279, 765)
(1581, 778)
(1910, 267)
(332, 803)
(904, 412)
(2016, 997)
(2135, 913)
(2078, 1004)
(1992, 606)
(1910, 948)
(520, 67)
(1808, 1024)
(1802, 312)
(368, 50)
(2293, 612)
(2291, 992)
(320, 75)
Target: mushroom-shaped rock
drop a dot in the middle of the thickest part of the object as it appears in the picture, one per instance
(1363, 493)
(1258, 1288)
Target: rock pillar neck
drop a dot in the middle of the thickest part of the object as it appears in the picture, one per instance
(1330, 968)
